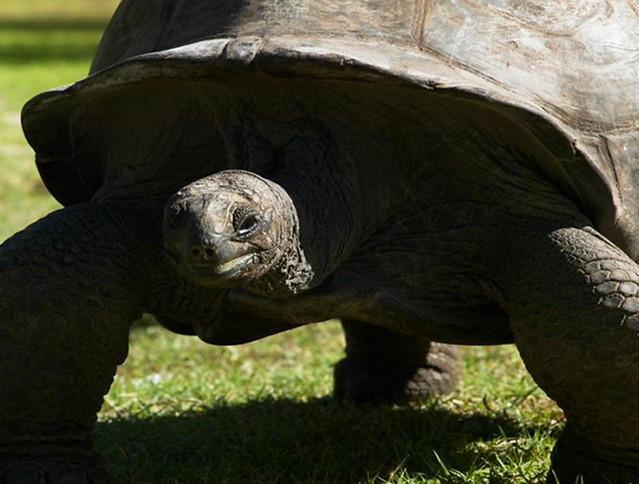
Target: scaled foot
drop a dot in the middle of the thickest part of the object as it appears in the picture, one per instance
(382, 366)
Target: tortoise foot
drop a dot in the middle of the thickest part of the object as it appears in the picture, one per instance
(571, 466)
(383, 366)
(52, 470)
(359, 383)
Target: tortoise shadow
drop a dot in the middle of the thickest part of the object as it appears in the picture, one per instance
(273, 441)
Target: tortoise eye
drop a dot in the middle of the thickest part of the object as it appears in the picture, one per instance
(245, 220)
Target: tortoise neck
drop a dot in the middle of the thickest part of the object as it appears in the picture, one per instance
(329, 211)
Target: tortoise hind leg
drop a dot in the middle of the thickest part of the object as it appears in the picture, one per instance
(70, 286)
(573, 302)
(384, 366)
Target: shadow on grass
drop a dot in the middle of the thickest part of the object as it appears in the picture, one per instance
(283, 441)
(41, 40)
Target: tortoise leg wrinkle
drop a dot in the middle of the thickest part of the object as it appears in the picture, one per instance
(573, 300)
(382, 366)
(70, 286)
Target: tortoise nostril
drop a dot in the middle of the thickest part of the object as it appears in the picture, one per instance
(203, 254)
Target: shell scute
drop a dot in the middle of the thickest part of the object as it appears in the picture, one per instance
(564, 71)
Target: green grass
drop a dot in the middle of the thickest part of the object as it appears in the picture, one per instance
(181, 411)
(43, 44)
(184, 412)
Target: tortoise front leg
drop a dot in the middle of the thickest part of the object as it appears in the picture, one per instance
(70, 286)
(573, 302)
(385, 366)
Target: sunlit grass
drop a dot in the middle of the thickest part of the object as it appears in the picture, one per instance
(181, 411)
(184, 412)
(43, 44)
(68, 9)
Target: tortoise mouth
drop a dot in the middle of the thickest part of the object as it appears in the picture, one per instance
(225, 272)
(231, 267)
(216, 272)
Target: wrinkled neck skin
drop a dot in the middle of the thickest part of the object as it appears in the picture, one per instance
(341, 185)
(319, 231)
(328, 220)
(327, 208)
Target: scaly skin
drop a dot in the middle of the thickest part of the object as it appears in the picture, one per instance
(70, 286)
(384, 366)
(67, 303)
(579, 341)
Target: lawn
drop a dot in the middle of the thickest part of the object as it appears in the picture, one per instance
(181, 411)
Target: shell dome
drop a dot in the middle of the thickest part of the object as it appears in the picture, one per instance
(565, 72)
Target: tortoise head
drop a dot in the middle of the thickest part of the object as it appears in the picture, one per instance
(236, 228)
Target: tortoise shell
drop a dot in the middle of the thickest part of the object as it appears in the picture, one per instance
(565, 72)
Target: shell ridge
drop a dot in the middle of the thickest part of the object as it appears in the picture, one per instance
(419, 24)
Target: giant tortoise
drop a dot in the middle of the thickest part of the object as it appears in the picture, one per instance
(430, 172)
